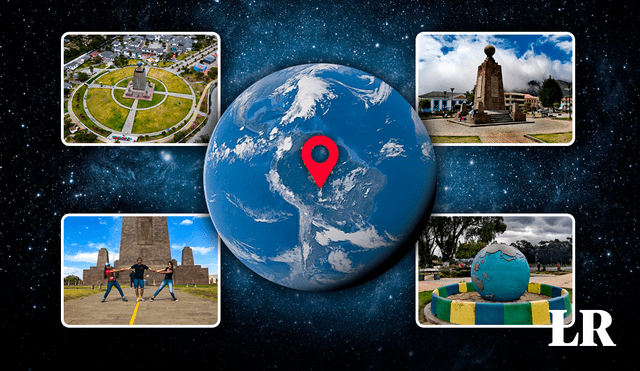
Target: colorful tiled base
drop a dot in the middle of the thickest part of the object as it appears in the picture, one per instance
(524, 313)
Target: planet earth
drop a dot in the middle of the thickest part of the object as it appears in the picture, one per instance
(363, 219)
(500, 272)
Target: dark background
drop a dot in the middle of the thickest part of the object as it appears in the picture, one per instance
(264, 326)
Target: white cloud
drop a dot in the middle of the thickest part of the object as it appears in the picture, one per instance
(72, 271)
(186, 222)
(90, 257)
(202, 250)
(340, 261)
(458, 68)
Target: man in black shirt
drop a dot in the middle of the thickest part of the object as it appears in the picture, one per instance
(138, 277)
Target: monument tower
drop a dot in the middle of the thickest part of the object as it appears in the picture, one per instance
(147, 237)
(139, 87)
(489, 89)
(489, 103)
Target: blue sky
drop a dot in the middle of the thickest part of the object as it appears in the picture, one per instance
(446, 61)
(84, 235)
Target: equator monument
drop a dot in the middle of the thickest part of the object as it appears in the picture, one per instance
(489, 103)
(139, 87)
(147, 237)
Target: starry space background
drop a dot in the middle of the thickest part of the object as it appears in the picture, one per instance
(265, 326)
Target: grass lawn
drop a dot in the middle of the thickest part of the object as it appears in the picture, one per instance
(424, 298)
(446, 139)
(206, 292)
(112, 77)
(158, 85)
(124, 83)
(78, 292)
(157, 98)
(162, 117)
(174, 83)
(119, 94)
(78, 109)
(555, 138)
(104, 109)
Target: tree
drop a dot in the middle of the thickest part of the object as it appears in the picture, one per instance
(487, 229)
(71, 280)
(446, 233)
(470, 95)
(527, 249)
(84, 137)
(426, 249)
(550, 92)
(424, 104)
(469, 250)
(83, 76)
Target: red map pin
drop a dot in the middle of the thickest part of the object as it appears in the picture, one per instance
(320, 170)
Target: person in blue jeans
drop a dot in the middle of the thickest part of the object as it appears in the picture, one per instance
(110, 275)
(138, 277)
(168, 281)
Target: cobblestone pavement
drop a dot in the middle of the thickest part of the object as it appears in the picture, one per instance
(443, 127)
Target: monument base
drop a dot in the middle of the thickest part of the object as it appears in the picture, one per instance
(492, 118)
(146, 94)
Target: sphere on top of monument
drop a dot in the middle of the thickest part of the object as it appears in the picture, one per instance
(489, 50)
(500, 273)
(139, 63)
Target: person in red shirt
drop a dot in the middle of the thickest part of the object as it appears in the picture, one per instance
(110, 275)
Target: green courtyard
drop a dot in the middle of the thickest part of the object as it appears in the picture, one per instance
(101, 106)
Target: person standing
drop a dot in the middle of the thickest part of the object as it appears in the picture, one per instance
(168, 281)
(110, 275)
(138, 278)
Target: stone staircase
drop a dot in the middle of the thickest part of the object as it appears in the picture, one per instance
(499, 118)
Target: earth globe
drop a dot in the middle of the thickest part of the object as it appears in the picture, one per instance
(265, 197)
(500, 272)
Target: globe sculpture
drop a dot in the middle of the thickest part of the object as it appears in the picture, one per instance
(500, 273)
(294, 226)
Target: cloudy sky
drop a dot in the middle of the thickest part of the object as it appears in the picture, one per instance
(536, 228)
(445, 61)
(84, 235)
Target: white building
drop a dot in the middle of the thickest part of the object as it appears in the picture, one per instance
(444, 100)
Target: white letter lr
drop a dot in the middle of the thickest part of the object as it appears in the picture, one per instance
(557, 317)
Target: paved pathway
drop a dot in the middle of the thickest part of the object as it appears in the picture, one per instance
(443, 127)
(189, 310)
(128, 123)
(506, 138)
(213, 118)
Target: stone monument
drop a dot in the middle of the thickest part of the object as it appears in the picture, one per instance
(147, 237)
(489, 88)
(95, 275)
(489, 103)
(139, 87)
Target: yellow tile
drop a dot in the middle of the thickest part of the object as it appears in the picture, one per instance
(462, 286)
(463, 313)
(534, 288)
(540, 312)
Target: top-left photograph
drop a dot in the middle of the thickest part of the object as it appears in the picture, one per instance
(140, 88)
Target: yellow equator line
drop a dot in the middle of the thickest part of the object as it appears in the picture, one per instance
(135, 311)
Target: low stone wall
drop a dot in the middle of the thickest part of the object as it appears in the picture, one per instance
(498, 313)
